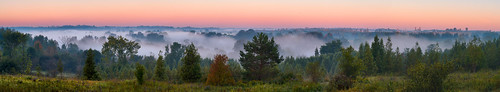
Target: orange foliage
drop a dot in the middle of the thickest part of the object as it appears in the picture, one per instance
(219, 72)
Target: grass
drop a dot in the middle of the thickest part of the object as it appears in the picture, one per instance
(487, 80)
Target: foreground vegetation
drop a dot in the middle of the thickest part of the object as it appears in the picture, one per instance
(481, 81)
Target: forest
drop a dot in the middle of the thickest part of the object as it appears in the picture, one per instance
(36, 63)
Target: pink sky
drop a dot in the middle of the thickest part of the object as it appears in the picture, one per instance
(400, 14)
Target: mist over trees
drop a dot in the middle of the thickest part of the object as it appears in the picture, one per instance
(336, 63)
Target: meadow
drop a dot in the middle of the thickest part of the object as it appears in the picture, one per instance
(482, 81)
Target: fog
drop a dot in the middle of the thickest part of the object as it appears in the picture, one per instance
(297, 44)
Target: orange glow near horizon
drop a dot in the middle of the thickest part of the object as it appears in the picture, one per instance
(428, 14)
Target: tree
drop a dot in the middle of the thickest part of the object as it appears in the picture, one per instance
(475, 54)
(414, 56)
(12, 39)
(219, 72)
(388, 62)
(315, 71)
(60, 68)
(378, 53)
(367, 58)
(260, 57)
(159, 69)
(331, 47)
(433, 53)
(190, 69)
(120, 47)
(139, 73)
(89, 71)
(174, 54)
(350, 66)
(316, 53)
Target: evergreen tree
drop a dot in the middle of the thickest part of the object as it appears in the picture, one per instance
(190, 69)
(378, 52)
(260, 57)
(89, 71)
(159, 69)
(387, 65)
(367, 57)
(414, 56)
(139, 73)
(219, 72)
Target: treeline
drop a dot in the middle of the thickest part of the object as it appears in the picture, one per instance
(339, 66)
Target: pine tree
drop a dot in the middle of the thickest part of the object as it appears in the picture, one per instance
(260, 57)
(190, 69)
(378, 52)
(159, 69)
(388, 62)
(139, 73)
(219, 72)
(89, 71)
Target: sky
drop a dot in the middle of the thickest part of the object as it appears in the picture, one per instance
(398, 14)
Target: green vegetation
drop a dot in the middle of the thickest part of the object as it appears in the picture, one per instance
(486, 80)
(467, 66)
(89, 71)
(260, 57)
(139, 73)
(190, 69)
(159, 69)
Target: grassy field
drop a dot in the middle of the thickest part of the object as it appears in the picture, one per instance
(456, 82)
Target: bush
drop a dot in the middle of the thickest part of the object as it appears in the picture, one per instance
(340, 82)
(425, 78)
(139, 73)
(286, 77)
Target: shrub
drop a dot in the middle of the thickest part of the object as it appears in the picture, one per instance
(340, 82)
(425, 78)
(139, 73)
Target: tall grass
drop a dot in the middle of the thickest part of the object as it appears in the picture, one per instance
(486, 80)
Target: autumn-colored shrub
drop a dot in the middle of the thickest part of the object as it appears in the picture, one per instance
(219, 72)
